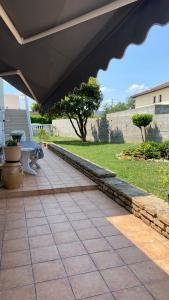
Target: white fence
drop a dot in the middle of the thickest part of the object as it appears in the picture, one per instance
(37, 127)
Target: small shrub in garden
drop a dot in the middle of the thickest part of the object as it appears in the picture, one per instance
(164, 148)
(43, 135)
(142, 121)
(151, 151)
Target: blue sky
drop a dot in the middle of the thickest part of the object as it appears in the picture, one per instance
(142, 67)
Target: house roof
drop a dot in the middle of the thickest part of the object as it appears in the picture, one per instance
(49, 47)
(156, 88)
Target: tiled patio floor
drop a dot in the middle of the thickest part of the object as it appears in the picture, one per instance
(79, 245)
(54, 175)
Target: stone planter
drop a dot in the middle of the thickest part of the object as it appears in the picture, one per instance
(12, 175)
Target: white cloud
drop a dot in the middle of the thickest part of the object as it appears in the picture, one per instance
(105, 89)
(137, 88)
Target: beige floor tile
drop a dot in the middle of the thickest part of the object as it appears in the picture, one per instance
(119, 278)
(15, 234)
(41, 241)
(88, 285)
(102, 297)
(132, 255)
(60, 227)
(119, 241)
(76, 216)
(57, 219)
(107, 259)
(36, 222)
(65, 237)
(82, 224)
(100, 221)
(159, 290)
(15, 277)
(148, 271)
(34, 214)
(155, 250)
(108, 230)
(71, 249)
(96, 245)
(48, 270)
(39, 230)
(15, 259)
(19, 293)
(42, 254)
(136, 293)
(21, 223)
(88, 234)
(15, 245)
(78, 265)
(54, 290)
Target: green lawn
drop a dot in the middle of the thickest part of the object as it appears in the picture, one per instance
(144, 174)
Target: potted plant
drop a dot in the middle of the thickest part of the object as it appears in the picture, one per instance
(12, 151)
(16, 136)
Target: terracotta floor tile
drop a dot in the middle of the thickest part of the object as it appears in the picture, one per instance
(78, 265)
(41, 241)
(119, 278)
(88, 285)
(56, 219)
(15, 234)
(88, 234)
(15, 259)
(36, 222)
(15, 277)
(34, 214)
(108, 230)
(71, 249)
(48, 270)
(100, 221)
(107, 259)
(54, 290)
(76, 216)
(155, 250)
(82, 224)
(60, 227)
(19, 293)
(119, 241)
(132, 255)
(65, 237)
(15, 224)
(159, 290)
(39, 230)
(15, 245)
(96, 245)
(139, 293)
(44, 254)
(148, 271)
(102, 297)
(144, 236)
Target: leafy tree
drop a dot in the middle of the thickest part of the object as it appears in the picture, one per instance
(119, 106)
(79, 105)
(35, 107)
(142, 121)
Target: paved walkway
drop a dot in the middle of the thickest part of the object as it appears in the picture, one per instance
(79, 245)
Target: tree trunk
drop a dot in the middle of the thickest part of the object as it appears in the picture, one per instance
(142, 134)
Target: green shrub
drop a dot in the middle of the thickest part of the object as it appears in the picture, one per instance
(43, 135)
(164, 147)
(151, 151)
(146, 150)
(40, 120)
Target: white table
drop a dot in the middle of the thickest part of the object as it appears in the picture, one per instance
(25, 160)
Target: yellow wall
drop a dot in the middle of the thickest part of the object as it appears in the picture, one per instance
(11, 101)
(147, 99)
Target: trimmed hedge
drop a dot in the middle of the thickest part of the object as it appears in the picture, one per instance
(40, 120)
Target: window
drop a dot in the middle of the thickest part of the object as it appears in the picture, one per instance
(160, 98)
(154, 99)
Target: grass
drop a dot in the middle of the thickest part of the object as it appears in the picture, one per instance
(148, 175)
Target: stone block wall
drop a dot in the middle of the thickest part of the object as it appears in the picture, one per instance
(118, 127)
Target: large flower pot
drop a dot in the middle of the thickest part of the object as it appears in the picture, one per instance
(12, 153)
(12, 175)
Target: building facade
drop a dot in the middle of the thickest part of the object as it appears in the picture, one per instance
(156, 95)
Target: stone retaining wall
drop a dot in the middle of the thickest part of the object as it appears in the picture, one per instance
(152, 210)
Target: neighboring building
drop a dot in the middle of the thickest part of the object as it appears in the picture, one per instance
(11, 101)
(157, 95)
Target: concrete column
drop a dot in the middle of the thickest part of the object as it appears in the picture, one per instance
(2, 113)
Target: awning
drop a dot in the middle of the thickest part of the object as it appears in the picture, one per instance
(47, 47)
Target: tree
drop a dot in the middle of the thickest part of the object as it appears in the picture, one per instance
(35, 107)
(79, 105)
(119, 106)
(142, 121)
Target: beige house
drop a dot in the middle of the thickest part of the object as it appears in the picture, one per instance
(156, 95)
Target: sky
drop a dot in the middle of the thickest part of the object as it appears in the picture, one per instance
(142, 67)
